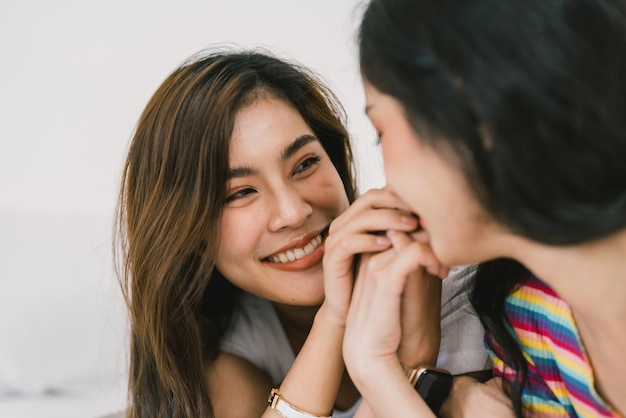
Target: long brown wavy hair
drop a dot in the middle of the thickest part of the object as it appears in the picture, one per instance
(170, 207)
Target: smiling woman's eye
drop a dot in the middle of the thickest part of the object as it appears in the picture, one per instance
(379, 135)
(239, 194)
(306, 164)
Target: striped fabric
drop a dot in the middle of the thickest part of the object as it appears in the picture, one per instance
(560, 378)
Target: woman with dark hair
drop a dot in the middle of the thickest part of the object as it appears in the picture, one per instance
(503, 125)
(238, 165)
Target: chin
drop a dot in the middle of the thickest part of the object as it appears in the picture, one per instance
(456, 256)
(312, 300)
(448, 256)
(303, 297)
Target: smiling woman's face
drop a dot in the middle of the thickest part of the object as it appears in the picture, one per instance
(283, 192)
(435, 189)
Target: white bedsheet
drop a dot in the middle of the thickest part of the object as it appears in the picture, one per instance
(89, 398)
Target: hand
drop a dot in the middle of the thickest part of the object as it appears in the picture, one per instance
(374, 328)
(420, 310)
(470, 398)
(357, 231)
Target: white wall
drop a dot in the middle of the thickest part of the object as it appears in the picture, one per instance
(74, 77)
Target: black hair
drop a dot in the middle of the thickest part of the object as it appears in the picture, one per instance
(531, 97)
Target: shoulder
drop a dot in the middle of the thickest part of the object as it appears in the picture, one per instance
(536, 307)
(256, 335)
(237, 387)
(254, 322)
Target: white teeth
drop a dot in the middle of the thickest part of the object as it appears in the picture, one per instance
(297, 253)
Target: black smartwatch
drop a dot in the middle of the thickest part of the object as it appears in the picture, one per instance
(432, 384)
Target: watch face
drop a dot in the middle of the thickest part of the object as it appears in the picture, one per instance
(434, 386)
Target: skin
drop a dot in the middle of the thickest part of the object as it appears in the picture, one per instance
(276, 204)
(461, 232)
(278, 200)
(351, 234)
(432, 188)
(418, 340)
(374, 332)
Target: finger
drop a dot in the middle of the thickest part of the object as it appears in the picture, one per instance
(411, 257)
(354, 318)
(373, 199)
(398, 239)
(378, 294)
(384, 197)
(423, 253)
(421, 235)
(370, 220)
(371, 279)
(338, 247)
(401, 240)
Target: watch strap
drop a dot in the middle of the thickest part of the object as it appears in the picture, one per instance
(410, 373)
(433, 393)
(287, 410)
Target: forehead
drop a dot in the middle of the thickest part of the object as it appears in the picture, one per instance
(371, 93)
(380, 105)
(266, 125)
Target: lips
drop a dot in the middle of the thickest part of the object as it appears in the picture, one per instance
(297, 253)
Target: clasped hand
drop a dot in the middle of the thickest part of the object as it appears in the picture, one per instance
(391, 309)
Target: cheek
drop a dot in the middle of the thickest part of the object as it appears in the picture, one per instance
(459, 228)
(324, 191)
(239, 233)
(329, 193)
(403, 174)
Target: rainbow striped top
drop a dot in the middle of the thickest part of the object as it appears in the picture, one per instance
(560, 378)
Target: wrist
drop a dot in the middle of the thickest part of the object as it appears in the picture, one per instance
(364, 371)
(287, 410)
(431, 383)
(330, 318)
(387, 391)
(426, 352)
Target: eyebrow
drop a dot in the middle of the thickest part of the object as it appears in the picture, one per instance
(292, 148)
(288, 152)
(238, 172)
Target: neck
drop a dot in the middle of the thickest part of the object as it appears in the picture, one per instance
(296, 317)
(297, 322)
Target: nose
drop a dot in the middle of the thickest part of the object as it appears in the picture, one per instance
(288, 209)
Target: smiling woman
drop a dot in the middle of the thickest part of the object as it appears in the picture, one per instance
(238, 165)
(237, 254)
(283, 191)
